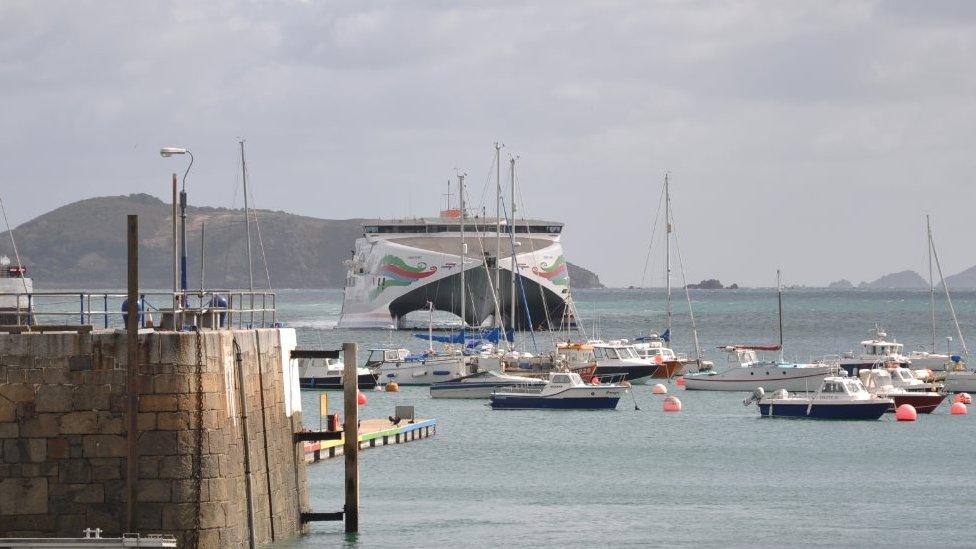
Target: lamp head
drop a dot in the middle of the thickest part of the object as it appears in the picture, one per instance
(167, 152)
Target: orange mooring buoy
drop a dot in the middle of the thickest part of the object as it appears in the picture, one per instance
(360, 398)
(680, 382)
(958, 409)
(672, 404)
(965, 398)
(906, 412)
(659, 389)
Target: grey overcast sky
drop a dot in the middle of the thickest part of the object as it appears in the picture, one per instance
(811, 136)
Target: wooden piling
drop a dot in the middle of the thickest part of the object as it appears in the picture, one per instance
(132, 390)
(350, 384)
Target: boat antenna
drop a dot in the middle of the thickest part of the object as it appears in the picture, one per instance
(779, 297)
(464, 250)
(13, 243)
(498, 234)
(928, 228)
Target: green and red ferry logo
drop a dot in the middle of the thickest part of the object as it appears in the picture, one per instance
(557, 272)
(396, 272)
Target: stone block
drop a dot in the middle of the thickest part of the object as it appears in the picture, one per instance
(106, 468)
(53, 375)
(149, 466)
(178, 516)
(57, 448)
(23, 496)
(172, 421)
(91, 397)
(209, 539)
(14, 451)
(115, 491)
(176, 467)
(158, 443)
(86, 493)
(8, 410)
(146, 421)
(188, 491)
(110, 423)
(170, 383)
(74, 471)
(107, 516)
(41, 425)
(209, 466)
(42, 469)
(211, 514)
(79, 423)
(153, 491)
(158, 403)
(9, 430)
(17, 392)
(80, 363)
(148, 516)
(53, 398)
(36, 449)
(217, 489)
(104, 446)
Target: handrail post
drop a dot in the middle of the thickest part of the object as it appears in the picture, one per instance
(105, 310)
(81, 308)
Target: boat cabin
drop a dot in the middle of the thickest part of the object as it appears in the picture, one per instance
(841, 388)
(575, 353)
(876, 380)
(614, 350)
(879, 348)
(377, 356)
(902, 377)
(561, 380)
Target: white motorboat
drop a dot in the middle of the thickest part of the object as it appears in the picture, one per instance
(904, 379)
(875, 352)
(837, 398)
(481, 385)
(420, 369)
(960, 381)
(618, 357)
(563, 391)
(878, 382)
(327, 373)
(753, 372)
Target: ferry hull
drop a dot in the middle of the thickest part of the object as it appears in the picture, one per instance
(870, 410)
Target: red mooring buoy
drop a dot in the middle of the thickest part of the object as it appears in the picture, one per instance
(958, 409)
(906, 412)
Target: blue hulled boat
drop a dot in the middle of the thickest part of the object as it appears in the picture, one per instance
(838, 398)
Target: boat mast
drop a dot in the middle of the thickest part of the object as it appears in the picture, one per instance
(498, 235)
(511, 228)
(464, 249)
(430, 326)
(779, 297)
(667, 247)
(952, 310)
(247, 231)
(928, 228)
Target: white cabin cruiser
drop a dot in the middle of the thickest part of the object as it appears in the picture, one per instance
(752, 373)
(481, 385)
(837, 398)
(327, 373)
(563, 391)
(420, 369)
(875, 352)
(617, 357)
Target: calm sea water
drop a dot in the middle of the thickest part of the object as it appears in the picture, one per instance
(713, 475)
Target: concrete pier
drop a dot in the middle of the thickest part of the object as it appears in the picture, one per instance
(373, 433)
(200, 396)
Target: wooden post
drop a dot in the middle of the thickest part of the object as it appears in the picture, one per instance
(350, 385)
(132, 348)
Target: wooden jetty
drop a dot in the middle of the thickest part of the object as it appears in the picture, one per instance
(372, 433)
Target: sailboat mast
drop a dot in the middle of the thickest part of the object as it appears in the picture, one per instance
(247, 231)
(464, 249)
(498, 234)
(779, 297)
(511, 228)
(928, 229)
(667, 246)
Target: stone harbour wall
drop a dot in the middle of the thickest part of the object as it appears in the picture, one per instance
(63, 436)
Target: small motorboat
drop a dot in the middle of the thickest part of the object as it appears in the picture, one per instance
(878, 382)
(326, 373)
(903, 378)
(838, 398)
(752, 373)
(481, 385)
(563, 390)
(618, 357)
(960, 381)
(423, 368)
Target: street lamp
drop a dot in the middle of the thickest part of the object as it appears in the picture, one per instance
(167, 152)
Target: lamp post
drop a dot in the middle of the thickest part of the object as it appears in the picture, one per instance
(167, 152)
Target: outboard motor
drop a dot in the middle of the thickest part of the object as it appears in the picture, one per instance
(219, 302)
(756, 396)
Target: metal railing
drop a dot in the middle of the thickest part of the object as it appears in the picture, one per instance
(212, 309)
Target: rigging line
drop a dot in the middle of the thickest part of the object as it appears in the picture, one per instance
(528, 232)
(23, 279)
(516, 272)
(684, 282)
(257, 225)
(491, 286)
(938, 265)
(233, 205)
(484, 188)
(650, 245)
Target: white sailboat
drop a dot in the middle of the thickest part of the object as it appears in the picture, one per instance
(932, 359)
(753, 373)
